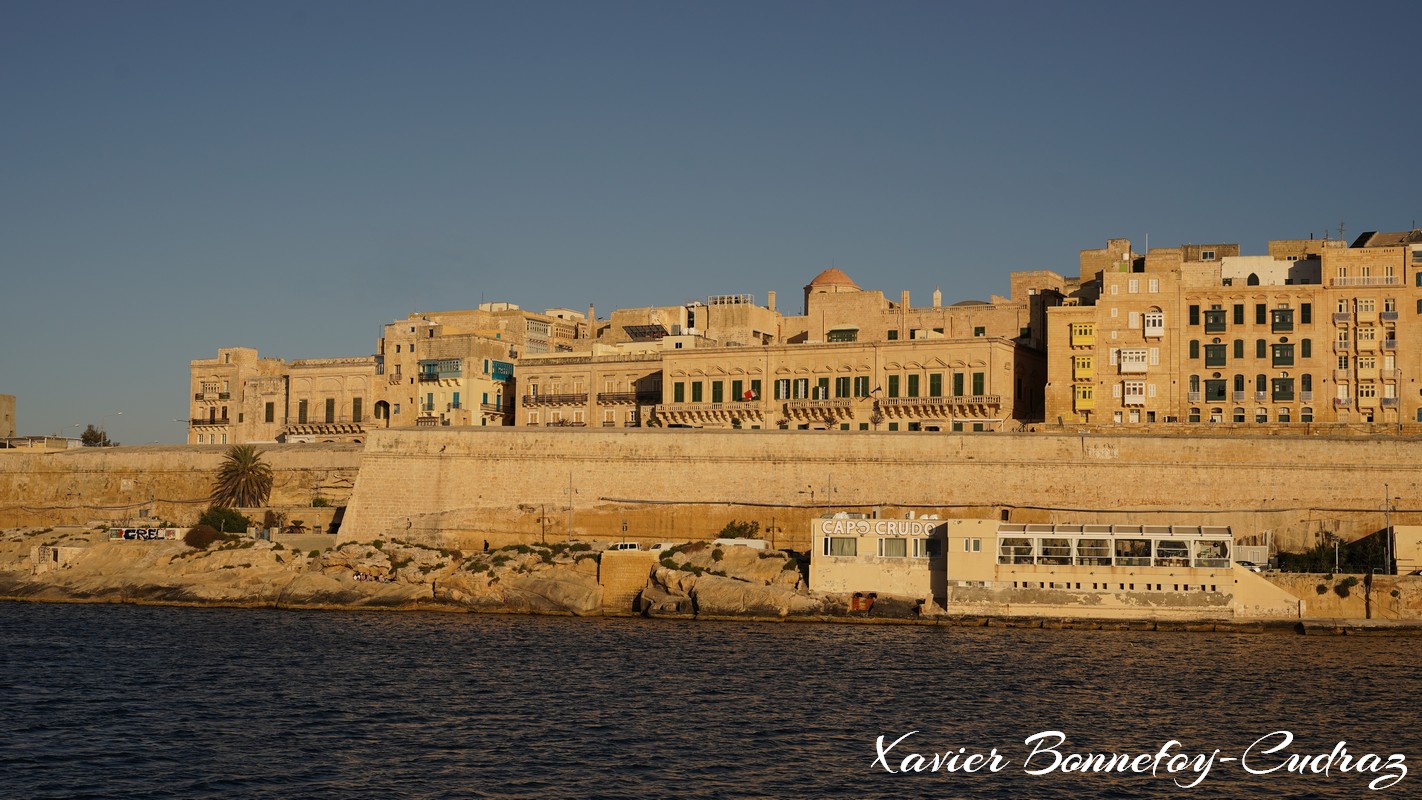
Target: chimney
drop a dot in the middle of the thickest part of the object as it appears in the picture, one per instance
(905, 301)
(592, 322)
(770, 300)
(937, 297)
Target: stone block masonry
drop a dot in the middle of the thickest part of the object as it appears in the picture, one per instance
(460, 487)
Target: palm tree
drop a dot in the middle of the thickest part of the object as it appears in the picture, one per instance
(244, 480)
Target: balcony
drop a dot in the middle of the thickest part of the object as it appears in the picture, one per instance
(1367, 344)
(429, 377)
(429, 422)
(1368, 402)
(1154, 331)
(1085, 403)
(490, 408)
(1342, 316)
(194, 423)
(1339, 402)
(959, 400)
(640, 398)
(1389, 344)
(1083, 339)
(1367, 373)
(1083, 373)
(1370, 280)
(977, 405)
(1193, 397)
(1306, 396)
(1133, 366)
(699, 414)
(555, 399)
(1133, 400)
(1341, 374)
(1390, 402)
(1342, 345)
(1237, 397)
(1388, 316)
(817, 405)
(1260, 397)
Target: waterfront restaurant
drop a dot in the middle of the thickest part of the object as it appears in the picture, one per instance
(1176, 546)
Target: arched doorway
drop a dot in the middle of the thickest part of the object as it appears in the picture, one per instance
(382, 412)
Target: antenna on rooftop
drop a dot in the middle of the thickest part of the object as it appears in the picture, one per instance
(1340, 230)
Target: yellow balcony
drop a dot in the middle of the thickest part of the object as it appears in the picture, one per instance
(1085, 403)
(1083, 373)
(1083, 339)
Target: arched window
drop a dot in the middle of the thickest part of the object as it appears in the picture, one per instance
(1239, 383)
(1194, 383)
(1306, 414)
(1195, 343)
(1261, 416)
(1261, 383)
(1306, 348)
(1238, 414)
(1239, 348)
(1261, 348)
(1194, 415)
(1306, 382)
(1284, 415)
(1253, 279)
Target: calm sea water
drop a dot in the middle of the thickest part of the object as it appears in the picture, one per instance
(133, 702)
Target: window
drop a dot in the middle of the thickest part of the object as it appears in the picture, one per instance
(1367, 305)
(301, 412)
(893, 547)
(1133, 286)
(696, 391)
(980, 331)
(928, 548)
(1134, 319)
(1194, 415)
(1154, 323)
(1134, 393)
(1306, 313)
(978, 383)
(1153, 286)
(1207, 255)
(1306, 382)
(935, 384)
(913, 386)
(1215, 321)
(1389, 305)
(1306, 348)
(1261, 313)
(738, 390)
(1367, 390)
(270, 412)
(802, 388)
(893, 386)
(679, 392)
(842, 386)
(1282, 389)
(861, 386)
(842, 335)
(957, 384)
(1281, 320)
(755, 388)
(1238, 414)
(356, 409)
(1194, 348)
(822, 389)
(1283, 355)
(841, 546)
(893, 336)
(718, 389)
(1239, 348)
(1306, 414)
(1239, 383)
(1239, 313)
(1261, 348)
(1214, 355)
(1214, 391)
(1194, 315)
(782, 389)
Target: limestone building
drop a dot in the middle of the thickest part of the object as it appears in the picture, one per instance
(7, 415)
(1317, 331)
(241, 397)
(852, 360)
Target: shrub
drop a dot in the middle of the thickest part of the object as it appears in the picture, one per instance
(1322, 588)
(740, 530)
(717, 554)
(314, 553)
(668, 562)
(1395, 593)
(320, 502)
(226, 520)
(199, 537)
(1341, 589)
(378, 544)
(546, 556)
(579, 547)
(501, 559)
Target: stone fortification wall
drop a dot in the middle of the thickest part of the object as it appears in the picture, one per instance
(460, 487)
(115, 484)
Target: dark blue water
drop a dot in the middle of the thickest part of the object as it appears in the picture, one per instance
(130, 702)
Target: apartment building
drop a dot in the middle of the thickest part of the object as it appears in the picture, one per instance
(1316, 331)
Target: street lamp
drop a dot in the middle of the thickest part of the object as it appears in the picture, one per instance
(103, 431)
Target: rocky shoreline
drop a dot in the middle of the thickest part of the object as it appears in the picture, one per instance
(697, 581)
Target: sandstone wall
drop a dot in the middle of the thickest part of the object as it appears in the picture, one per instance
(114, 484)
(505, 485)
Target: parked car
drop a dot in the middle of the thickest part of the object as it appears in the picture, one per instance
(624, 546)
(664, 546)
(1250, 565)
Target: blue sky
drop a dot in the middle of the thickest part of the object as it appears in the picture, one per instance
(176, 177)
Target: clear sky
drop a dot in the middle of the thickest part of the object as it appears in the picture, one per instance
(180, 176)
